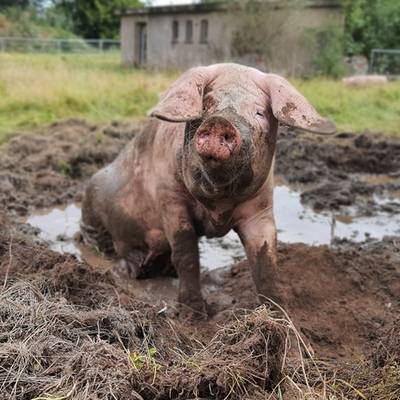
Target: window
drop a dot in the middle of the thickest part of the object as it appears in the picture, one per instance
(175, 31)
(204, 31)
(189, 31)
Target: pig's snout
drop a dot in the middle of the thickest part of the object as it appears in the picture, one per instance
(217, 141)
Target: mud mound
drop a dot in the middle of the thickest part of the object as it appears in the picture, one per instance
(376, 376)
(343, 170)
(339, 299)
(47, 167)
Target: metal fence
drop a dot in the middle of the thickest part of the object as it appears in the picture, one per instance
(385, 61)
(33, 45)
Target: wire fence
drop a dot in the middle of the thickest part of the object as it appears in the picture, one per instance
(385, 61)
(34, 45)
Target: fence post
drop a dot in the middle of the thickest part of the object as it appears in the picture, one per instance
(371, 61)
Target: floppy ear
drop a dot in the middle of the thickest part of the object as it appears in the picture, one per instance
(183, 101)
(292, 108)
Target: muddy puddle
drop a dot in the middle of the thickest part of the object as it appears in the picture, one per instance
(295, 223)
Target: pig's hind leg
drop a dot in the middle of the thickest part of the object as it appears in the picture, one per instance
(147, 261)
(92, 230)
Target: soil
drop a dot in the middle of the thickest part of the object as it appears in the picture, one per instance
(71, 329)
(343, 170)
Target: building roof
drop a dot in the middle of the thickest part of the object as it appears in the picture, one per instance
(175, 9)
(210, 7)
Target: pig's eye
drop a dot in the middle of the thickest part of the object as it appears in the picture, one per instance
(260, 114)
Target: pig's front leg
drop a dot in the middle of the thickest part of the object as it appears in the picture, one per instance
(258, 235)
(183, 241)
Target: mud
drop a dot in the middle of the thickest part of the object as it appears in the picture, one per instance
(83, 332)
(49, 167)
(344, 170)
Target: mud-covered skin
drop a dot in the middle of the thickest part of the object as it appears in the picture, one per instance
(205, 169)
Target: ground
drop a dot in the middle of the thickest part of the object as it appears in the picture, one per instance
(78, 331)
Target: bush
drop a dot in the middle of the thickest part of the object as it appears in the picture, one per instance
(329, 55)
(371, 24)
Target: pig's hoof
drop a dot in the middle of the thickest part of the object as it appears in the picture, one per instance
(193, 309)
(131, 267)
(274, 298)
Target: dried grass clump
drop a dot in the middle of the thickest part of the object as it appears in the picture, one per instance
(244, 357)
(50, 347)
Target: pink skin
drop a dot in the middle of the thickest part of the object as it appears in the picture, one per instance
(205, 169)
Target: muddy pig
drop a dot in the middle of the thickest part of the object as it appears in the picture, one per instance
(203, 165)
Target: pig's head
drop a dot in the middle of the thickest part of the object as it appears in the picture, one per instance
(232, 114)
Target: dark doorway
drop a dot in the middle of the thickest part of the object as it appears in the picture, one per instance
(141, 44)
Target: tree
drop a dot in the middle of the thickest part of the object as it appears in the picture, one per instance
(95, 18)
(259, 27)
(13, 3)
(371, 24)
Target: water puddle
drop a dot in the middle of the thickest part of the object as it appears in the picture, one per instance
(295, 223)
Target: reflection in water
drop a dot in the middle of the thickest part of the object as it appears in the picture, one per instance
(295, 223)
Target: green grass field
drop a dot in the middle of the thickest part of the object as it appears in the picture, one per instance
(36, 89)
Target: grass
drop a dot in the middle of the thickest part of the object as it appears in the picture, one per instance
(36, 89)
(376, 109)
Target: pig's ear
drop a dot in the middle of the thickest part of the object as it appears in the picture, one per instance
(183, 101)
(292, 108)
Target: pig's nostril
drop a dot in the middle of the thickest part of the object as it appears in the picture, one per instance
(228, 137)
(210, 158)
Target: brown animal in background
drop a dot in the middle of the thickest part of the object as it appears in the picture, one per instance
(202, 166)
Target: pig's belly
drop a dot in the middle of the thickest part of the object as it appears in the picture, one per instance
(206, 227)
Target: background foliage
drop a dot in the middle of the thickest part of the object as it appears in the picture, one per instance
(91, 19)
(371, 24)
(94, 19)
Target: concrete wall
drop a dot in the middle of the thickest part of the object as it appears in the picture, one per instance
(289, 52)
(163, 53)
(293, 50)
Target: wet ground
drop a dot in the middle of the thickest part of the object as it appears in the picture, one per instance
(343, 296)
(295, 221)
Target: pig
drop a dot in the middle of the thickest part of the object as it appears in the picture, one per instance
(203, 165)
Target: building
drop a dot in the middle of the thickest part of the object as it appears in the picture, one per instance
(181, 36)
